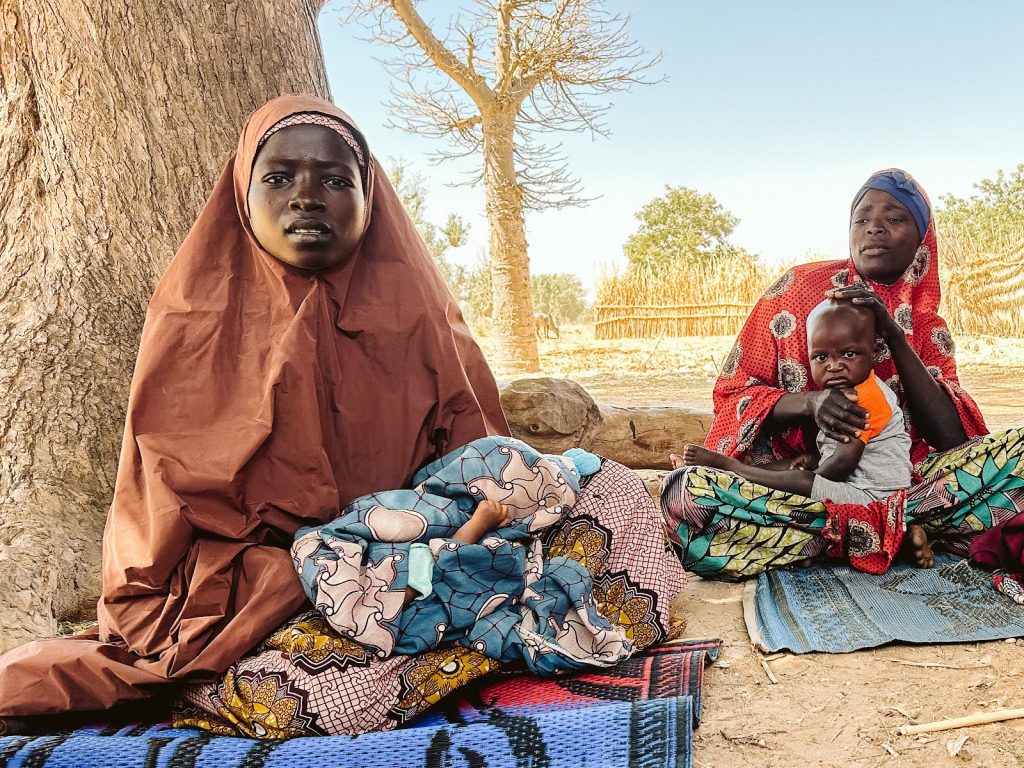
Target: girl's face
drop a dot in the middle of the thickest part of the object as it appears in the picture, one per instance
(306, 201)
(883, 237)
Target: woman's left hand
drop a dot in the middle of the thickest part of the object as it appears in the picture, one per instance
(862, 295)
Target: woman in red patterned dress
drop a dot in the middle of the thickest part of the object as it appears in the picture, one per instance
(965, 480)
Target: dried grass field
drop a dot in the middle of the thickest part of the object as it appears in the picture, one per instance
(825, 710)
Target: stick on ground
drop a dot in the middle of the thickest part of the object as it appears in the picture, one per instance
(978, 718)
(768, 670)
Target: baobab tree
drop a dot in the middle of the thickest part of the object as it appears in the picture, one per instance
(117, 119)
(500, 77)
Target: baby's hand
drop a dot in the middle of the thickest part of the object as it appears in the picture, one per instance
(804, 461)
(490, 515)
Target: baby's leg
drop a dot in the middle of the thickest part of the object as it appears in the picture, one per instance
(699, 456)
(791, 480)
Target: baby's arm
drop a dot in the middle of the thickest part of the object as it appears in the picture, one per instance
(840, 464)
(488, 516)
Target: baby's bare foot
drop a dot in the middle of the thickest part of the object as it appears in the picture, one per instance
(916, 548)
(699, 456)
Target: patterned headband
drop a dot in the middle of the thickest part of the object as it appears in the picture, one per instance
(315, 118)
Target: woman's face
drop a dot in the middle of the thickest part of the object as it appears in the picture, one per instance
(883, 237)
(306, 201)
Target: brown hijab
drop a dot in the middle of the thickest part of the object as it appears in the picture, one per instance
(264, 399)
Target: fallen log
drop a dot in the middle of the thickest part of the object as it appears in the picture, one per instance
(554, 415)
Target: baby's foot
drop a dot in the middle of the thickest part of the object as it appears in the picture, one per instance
(916, 548)
(699, 456)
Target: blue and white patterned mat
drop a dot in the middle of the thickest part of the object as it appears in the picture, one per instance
(836, 609)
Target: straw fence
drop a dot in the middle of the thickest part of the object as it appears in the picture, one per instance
(983, 293)
(703, 300)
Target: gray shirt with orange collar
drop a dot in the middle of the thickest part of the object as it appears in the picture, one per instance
(884, 468)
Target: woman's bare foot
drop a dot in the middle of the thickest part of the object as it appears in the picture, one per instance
(916, 548)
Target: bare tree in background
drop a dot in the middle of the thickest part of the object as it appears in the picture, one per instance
(500, 76)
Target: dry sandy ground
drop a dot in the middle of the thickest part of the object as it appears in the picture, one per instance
(825, 710)
(846, 709)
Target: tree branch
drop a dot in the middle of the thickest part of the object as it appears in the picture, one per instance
(547, 63)
(503, 46)
(465, 76)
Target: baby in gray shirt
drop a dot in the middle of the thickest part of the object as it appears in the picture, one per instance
(840, 345)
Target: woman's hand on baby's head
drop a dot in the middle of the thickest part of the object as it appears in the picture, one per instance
(492, 515)
(861, 295)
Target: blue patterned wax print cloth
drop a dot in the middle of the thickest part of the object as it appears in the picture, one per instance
(500, 596)
(836, 609)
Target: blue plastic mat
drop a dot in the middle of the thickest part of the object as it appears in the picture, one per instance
(836, 609)
(657, 733)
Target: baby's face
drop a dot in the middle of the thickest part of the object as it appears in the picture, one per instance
(840, 346)
(306, 201)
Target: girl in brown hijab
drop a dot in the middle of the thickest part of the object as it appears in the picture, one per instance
(300, 351)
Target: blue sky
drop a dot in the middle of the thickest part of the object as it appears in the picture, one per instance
(780, 110)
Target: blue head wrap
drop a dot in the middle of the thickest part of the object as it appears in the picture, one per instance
(900, 185)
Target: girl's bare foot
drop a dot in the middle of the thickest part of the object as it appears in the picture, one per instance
(916, 548)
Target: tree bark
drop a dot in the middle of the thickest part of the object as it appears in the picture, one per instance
(510, 265)
(118, 117)
(554, 415)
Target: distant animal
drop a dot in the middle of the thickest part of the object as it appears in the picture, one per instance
(546, 326)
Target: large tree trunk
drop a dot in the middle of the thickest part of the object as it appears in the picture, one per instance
(510, 264)
(116, 120)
